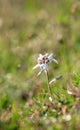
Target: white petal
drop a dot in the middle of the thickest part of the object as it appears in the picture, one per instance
(40, 72)
(51, 55)
(54, 60)
(41, 65)
(44, 66)
(46, 54)
(36, 66)
(40, 56)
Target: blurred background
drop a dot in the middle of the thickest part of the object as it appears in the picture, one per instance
(28, 28)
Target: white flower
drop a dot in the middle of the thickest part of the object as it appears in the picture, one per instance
(43, 62)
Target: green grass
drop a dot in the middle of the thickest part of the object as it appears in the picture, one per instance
(27, 29)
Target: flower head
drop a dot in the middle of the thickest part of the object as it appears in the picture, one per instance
(43, 62)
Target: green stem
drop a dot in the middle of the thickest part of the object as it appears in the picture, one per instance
(47, 76)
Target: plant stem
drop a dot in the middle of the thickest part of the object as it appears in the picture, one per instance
(47, 76)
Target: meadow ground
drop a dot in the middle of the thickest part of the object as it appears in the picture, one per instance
(28, 28)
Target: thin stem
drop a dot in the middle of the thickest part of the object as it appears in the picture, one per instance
(47, 76)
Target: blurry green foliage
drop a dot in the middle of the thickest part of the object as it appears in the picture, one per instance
(5, 101)
(28, 28)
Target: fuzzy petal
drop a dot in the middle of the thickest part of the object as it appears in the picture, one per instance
(54, 60)
(36, 66)
(50, 55)
(40, 72)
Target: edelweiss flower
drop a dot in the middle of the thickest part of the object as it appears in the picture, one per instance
(43, 62)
